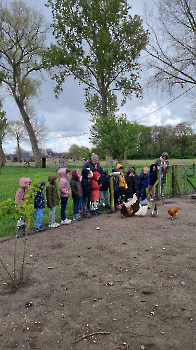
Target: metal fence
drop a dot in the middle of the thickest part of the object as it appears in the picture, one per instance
(180, 179)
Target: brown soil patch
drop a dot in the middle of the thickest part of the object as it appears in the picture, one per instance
(128, 285)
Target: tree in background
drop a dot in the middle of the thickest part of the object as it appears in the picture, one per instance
(17, 130)
(78, 152)
(114, 135)
(171, 47)
(98, 42)
(22, 38)
(3, 125)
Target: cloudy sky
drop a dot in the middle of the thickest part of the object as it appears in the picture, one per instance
(66, 118)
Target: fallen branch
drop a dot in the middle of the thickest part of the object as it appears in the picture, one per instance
(89, 335)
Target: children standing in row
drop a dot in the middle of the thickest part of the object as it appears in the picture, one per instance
(52, 198)
(64, 193)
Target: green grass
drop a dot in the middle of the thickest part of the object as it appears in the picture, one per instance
(9, 184)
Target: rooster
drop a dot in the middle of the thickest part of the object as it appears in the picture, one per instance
(155, 211)
(130, 208)
(173, 211)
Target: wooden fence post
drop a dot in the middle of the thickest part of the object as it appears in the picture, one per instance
(159, 185)
(185, 178)
(174, 179)
(112, 193)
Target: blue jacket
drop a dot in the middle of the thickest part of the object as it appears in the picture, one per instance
(105, 181)
(39, 201)
(143, 180)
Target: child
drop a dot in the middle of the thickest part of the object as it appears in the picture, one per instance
(52, 198)
(152, 180)
(95, 193)
(116, 189)
(39, 205)
(24, 183)
(64, 193)
(76, 189)
(131, 185)
(105, 185)
(122, 183)
(86, 189)
(143, 183)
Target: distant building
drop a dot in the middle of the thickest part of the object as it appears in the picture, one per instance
(25, 157)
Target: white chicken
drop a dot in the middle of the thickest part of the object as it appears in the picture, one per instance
(142, 210)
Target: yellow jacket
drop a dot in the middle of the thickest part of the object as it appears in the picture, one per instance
(122, 182)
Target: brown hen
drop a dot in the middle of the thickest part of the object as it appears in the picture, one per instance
(173, 211)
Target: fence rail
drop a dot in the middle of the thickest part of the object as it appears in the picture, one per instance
(180, 179)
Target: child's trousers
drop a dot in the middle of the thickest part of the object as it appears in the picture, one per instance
(38, 216)
(103, 194)
(52, 215)
(63, 207)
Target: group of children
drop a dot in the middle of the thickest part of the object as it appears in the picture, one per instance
(126, 185)
(88, 188)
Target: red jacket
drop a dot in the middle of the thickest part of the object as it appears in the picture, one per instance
(95, 187)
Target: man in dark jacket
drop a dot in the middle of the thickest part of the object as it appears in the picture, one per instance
(93, 164)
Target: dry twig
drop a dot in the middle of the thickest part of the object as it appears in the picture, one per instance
(89, 335)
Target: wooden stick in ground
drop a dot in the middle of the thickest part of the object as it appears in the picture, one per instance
(89, 335)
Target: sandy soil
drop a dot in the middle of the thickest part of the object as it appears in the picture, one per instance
(105, 283)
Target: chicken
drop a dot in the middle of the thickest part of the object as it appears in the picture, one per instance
(173, 211)
(142, 210)
(130, 208)
(155, 211)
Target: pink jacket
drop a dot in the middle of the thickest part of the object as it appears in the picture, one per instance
(95, 187)
(24, 184)
(64, 185)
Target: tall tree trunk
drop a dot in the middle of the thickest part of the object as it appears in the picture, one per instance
(19, 150)
(104, 102)
(2, 155)
(31, 133)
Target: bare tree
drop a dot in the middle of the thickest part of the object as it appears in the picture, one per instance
(17, 130)
(172, 43)
(3, 125)
(22, 37)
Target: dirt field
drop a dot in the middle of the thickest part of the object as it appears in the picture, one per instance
(106, 283)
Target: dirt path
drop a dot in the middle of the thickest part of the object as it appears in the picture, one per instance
(128, 285)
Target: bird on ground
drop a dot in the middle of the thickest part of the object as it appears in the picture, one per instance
(142, 210)
(155, 211)
(130, 208)
(173, 211)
